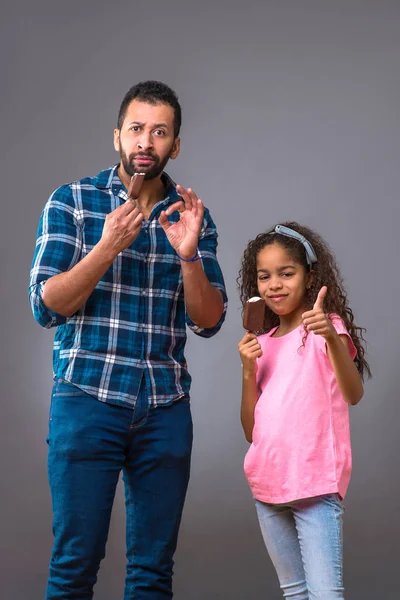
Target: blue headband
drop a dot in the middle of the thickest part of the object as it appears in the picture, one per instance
(291, 233)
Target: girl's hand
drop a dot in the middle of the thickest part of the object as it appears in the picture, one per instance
(315, 320)
(249, 350)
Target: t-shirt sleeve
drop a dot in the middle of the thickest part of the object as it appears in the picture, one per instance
(341, 330)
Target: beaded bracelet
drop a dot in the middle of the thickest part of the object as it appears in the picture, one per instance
(195, 258)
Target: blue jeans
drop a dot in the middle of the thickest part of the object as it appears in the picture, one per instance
(305, 543)
(90, 442)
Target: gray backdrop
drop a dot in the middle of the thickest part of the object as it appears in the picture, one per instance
(290, 112)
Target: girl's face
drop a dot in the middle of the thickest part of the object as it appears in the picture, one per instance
(281, 280)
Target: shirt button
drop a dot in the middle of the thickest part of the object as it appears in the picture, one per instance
(144, 292)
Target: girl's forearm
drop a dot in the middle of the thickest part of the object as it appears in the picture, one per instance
(249, 401)
(346, 373)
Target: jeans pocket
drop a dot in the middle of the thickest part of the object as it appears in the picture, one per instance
(333, 500)
(65, 388)
(184, 400)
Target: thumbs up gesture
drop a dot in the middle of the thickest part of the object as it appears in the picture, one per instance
(315, 320)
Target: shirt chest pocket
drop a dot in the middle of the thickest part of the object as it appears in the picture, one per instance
(165, 275)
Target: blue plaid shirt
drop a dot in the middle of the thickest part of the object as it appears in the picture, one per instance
(133, 323)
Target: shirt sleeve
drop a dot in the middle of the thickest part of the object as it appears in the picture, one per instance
(341, 330)
(58, 249)
(208, 252)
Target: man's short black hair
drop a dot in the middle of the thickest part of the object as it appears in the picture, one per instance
(152, 92)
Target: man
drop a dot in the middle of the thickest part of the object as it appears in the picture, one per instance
(119, 279)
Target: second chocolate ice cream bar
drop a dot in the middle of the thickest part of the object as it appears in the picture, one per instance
(135, 186)
(253, 314)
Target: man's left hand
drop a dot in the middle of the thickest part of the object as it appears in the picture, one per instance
(184, 234)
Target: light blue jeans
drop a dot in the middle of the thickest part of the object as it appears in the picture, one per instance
(305, 542)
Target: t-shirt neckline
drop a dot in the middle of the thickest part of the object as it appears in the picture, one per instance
(281, 337)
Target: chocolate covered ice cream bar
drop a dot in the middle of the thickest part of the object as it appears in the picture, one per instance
(135, 186)
(253, 314)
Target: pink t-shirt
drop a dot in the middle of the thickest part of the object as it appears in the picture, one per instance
(301, 437)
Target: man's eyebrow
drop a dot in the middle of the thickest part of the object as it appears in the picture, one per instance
(155, 125)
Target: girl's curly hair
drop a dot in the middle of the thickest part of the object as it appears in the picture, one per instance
(326, 272)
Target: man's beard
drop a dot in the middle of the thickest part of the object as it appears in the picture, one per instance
(152, 171)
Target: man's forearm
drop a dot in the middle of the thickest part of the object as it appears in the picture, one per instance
(204, 303)
(66, 292)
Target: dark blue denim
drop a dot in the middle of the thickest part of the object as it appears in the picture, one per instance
(90, 442)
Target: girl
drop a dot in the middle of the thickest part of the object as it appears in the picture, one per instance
(299, 376)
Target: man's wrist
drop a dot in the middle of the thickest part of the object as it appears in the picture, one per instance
(106, 253)
(193, 257)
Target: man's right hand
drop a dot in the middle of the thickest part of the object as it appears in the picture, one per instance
(66, 292)
(121, 228)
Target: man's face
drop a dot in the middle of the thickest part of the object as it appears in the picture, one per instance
(146, 140)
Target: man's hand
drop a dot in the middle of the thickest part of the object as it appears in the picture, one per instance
(66, 292)
(184, 234)
(249, 350)
(315, 320)
(121, 228)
